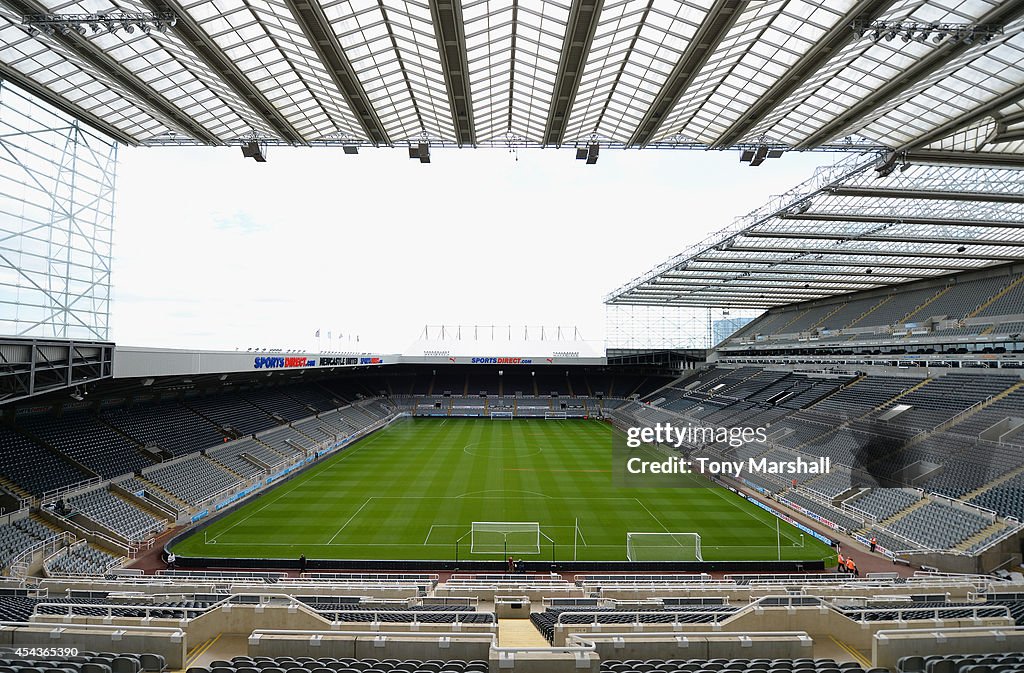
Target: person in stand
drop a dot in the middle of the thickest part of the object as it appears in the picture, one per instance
(874, 543)
(842, 563)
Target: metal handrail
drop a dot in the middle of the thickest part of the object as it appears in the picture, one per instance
(926, 613)
(716, 614)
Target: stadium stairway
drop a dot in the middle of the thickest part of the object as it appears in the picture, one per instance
(988, 486)
(165, 495)
(884, 523)
(871, 310)
(13, 488)
(970, 411)
(839, 307)
(797, 317)
(996, 297)
(925, 304)
(519, 633)
(992, 529)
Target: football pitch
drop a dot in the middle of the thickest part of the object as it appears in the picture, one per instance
(413, 490)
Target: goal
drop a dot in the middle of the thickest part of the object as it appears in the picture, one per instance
(555, 415)
(663, 547)
(503, 415)
(505, 537)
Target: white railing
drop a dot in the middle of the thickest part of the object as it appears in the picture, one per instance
(22, 563)
(57, 493)
(935, 613)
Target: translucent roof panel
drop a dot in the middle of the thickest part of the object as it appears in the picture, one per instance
(985, 73)
(635, 47)
(262, 38)
(847, 229)
(513, 48)
(162, 62)
(393, 49)
(48, 63)
(792, 74)
(862, 68)
(766, 41)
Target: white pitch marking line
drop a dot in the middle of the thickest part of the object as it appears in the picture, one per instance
(656, 519)
(734, 503)
(295, 483)
(427, 538)
(350, 520)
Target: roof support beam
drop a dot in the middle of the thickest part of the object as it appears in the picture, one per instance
(758, 304)
(752, 278)
(837, 236)
(975, 114)
(897, 193)
(196, 39)
(451, 43)
(879, 252)
(579, 35)
(315, 25)
(878, 264)
(808, 64)
(145, 95)
(951, 158)
(713, 29)
(888, 219)
(854, 117)
(36, 89)
(804, 289)
(798, 272)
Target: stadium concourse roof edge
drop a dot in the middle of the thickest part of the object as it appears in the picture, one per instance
(869, 220)
(142, 362)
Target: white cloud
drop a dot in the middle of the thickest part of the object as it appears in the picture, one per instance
(214, 251)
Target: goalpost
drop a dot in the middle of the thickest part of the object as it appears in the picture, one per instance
(501, 415)
(505, 537)
(663, 547)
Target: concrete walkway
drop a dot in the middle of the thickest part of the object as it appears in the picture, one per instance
(519, 633)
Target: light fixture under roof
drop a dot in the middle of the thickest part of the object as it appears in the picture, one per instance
(110, 22)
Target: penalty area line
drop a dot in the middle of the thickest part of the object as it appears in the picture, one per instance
(331, 541)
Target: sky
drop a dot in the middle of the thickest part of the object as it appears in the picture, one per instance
(213, 251)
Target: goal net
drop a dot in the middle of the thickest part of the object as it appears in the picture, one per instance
(502, 415)
(555, 415)
(663, 547)
(505, 537)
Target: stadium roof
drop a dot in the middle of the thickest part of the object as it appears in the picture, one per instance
(850, 227)
(624, 73)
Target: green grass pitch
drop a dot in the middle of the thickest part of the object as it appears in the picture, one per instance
(412, 490)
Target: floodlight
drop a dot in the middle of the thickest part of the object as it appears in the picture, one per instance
(759, 156)
(252, 150)
(421, 151)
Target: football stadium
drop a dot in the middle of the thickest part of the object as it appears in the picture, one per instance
(798, 446)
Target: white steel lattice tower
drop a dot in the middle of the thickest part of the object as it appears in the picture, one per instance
(56, 222)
